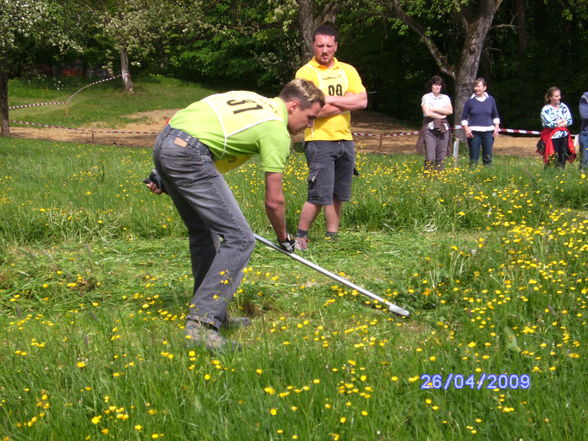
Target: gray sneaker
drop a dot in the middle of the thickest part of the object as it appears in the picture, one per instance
(198, 333)
(237, 322)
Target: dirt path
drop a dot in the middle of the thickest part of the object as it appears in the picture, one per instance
(362, 122)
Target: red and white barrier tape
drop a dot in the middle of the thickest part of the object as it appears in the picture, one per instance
(68, 99)
(388, 135)
(384, 135)
(35, 105)
(364, 134)
(400, 134)
(50, 126)
(524, 132)
(91, 84)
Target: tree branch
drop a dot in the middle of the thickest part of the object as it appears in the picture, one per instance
(438, 56)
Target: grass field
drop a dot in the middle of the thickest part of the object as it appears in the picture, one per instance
(95, 280)
(104, 104)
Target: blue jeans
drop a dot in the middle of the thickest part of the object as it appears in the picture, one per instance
(221, 241)
(583, 153)
(484, 140)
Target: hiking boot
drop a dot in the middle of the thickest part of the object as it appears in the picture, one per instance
(203, 334)
(301, 243)
(237, 322)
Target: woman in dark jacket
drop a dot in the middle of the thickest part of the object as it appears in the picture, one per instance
(481, 123)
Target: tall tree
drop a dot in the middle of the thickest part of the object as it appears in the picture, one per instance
(473, 19)
(31, 22)
(134, 26)
(123, 23)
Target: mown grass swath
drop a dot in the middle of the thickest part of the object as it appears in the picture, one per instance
(95, 277)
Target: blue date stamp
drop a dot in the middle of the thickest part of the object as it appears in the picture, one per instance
(478, 382)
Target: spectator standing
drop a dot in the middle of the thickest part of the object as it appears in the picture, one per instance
(481, 123)
(435, 135)
(329, 147)
(556, 118)
(584, 132)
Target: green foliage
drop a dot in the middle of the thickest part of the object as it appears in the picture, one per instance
(257, 45)
(394, 69)
(519, 76)
(45, 23)
(238, 44)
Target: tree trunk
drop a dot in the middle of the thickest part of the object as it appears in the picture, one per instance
(476, 31)
(522, 35)
(4, 126)
(521, 24)
(475, 21)
(308, 22)
(124, 69)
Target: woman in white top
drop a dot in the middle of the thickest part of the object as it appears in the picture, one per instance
(555, 118)
(435, 134)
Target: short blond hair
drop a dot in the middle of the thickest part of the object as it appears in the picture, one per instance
(303, 91)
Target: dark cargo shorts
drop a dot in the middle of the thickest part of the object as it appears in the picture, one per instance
(330, 165)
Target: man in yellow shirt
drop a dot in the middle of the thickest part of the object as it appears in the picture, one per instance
(212, 136)
(329, 147)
